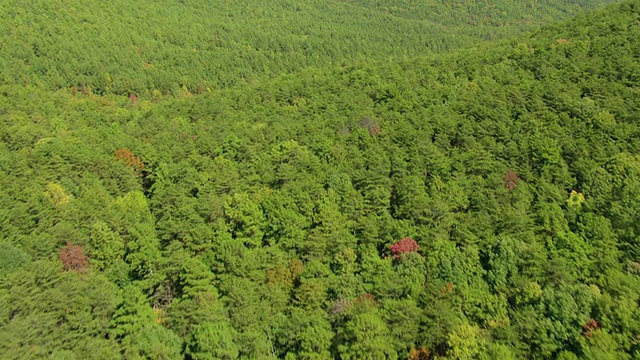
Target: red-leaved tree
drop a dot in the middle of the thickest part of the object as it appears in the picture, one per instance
(73, 258)
(404, 246)
(591, 326)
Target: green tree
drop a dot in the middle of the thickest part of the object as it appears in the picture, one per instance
(365, 336)
(212, 341)
(309, 335)
(106, 246)
(135, 326)
(465, 342)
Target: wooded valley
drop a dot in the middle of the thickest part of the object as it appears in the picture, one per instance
(320, 180)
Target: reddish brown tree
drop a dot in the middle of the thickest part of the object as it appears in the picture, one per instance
(419, 354)
(448, 289)
(511, 180)
(403, 246)
(73, 258)
(366, 300)
(372, 126)
(375, 129)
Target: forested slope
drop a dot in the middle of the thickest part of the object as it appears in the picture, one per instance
(166, 45)
(480, 204)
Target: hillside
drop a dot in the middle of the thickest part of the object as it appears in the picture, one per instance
(137, 47)
(478, 204)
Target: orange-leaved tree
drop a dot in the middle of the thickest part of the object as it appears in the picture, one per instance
(125, 155)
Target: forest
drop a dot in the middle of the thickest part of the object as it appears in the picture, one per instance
(320, 180)
(155, 47)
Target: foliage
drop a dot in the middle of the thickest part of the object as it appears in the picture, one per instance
(194, 46)
(332, 190)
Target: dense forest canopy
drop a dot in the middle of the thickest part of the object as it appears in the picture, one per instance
(167, 45)
(482, 203)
